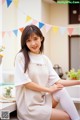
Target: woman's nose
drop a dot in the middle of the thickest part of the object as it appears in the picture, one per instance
(33, 43)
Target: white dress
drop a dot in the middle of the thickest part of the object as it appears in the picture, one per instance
(33, 105)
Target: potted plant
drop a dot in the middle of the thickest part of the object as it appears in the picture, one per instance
(7, 92)
(78, 74)
(74, 75)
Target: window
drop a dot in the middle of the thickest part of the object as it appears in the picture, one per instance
(74, 52)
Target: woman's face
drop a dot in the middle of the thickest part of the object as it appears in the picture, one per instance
(34, 43)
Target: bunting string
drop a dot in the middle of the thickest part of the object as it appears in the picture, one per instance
(29, 20)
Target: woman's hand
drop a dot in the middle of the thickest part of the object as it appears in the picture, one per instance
(55, 87)
(35, 87)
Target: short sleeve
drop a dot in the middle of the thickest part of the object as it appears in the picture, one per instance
(53, 76)
(19, 76)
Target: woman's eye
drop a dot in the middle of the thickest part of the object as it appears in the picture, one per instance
(28, 40)
(35, 39)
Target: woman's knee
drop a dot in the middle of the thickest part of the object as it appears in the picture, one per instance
(59, 94)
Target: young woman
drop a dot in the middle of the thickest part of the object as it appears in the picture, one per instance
(38, 87)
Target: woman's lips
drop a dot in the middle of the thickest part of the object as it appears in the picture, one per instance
(34, 47)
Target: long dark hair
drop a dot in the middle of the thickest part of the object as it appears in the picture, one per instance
(27, 32)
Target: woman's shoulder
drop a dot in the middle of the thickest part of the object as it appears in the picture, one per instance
(19, 56)
(48, 61)
(46, 58)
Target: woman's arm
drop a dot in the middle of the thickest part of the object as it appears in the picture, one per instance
(68, 82)
(35, 87)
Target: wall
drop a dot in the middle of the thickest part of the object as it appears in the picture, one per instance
(59, 43)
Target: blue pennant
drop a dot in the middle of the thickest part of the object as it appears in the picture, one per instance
(15, 32)
(8, 2)
(41, 25)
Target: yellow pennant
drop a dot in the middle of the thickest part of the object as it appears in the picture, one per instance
(28, 18)
(55, 29)
(16, 2)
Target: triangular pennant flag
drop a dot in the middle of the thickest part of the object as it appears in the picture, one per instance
(16, 2)
(55, 29)
(28, 18)
(8, 2)
(15, 32)
(2, 1)
(21, 29)
(62, 30)
(47, 27)
(41, 25)
(3, 33)
(70, 30)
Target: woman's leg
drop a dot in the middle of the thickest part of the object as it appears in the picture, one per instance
(67, 104)
(54, 103)
(59, 115)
